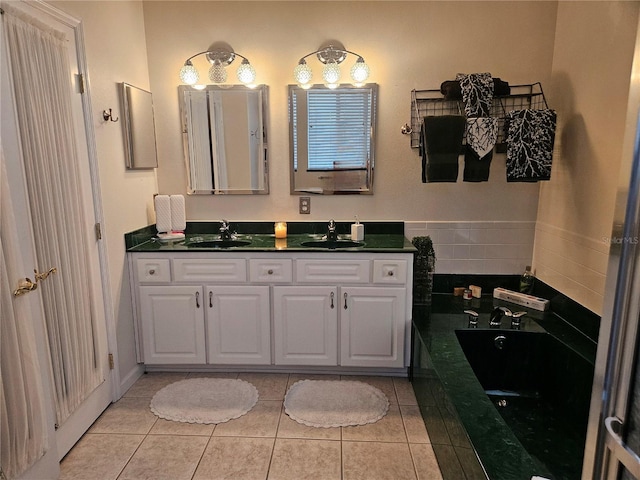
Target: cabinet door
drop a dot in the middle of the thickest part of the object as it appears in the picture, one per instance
(305, 322)
(372, 326)
(172, 320)
(238, 325)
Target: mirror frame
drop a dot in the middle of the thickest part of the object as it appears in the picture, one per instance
(373, 87)
(264, 94)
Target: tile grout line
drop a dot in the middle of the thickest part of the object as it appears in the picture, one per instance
(136, 450)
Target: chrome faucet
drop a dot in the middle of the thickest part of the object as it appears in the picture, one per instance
(331, 232)
(225, 234)
(496, 316)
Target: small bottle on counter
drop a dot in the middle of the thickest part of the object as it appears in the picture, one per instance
(357, 231)
(526, 281)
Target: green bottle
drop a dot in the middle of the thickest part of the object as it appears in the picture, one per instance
(526, 281)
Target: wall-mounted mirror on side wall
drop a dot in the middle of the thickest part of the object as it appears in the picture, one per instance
(225, 139)
(138, 127)
(331, 134)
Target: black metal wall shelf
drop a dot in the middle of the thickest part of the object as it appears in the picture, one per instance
(432, 103)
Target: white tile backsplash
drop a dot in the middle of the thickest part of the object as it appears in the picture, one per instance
(478, 247)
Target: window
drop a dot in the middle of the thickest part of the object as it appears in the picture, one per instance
(339, 129)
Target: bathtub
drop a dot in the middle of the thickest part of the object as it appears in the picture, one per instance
(540, 387)
(520, 397)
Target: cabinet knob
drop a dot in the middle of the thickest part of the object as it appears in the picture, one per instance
(390, 273)
(270, 271)
(152, 272)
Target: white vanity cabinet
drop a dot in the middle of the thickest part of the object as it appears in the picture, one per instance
(372, 326)
(172, 324)
(238, 325)
(305, 325)
(284, 309)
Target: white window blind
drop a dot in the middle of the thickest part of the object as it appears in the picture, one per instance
(339, 129)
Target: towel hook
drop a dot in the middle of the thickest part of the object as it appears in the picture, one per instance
(108, 116)
(406, 129)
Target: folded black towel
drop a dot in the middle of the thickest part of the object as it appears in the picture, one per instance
(441, 141)
(530, 137)
(452, 91)
(476, 168)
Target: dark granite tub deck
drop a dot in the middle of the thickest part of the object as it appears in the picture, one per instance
(470, 437)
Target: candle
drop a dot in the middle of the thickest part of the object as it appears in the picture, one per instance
(281, 243)
(280, 229)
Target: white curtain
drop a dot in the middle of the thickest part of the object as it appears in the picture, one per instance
(23, 434)
(42, 80)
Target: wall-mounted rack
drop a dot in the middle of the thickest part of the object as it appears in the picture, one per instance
(432, 103)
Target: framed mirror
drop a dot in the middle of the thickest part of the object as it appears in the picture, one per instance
(331, 138)
(138, 127)
(225, 139)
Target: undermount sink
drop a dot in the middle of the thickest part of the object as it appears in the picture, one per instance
(332, 244)
(219, 243)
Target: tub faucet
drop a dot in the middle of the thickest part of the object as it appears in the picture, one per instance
(516, 318)
(472, 318)
(332, 234)
(496, 316)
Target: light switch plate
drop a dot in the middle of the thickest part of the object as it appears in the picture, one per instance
(305, 205)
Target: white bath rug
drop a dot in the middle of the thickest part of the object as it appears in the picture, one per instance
(335, 403)
(204, 400)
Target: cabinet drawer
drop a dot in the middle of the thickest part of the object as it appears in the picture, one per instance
(332, 271)
(210, 270)
(152, 270)
(266, 270)
(390, 272)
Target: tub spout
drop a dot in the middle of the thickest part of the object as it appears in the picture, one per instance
(496, 316)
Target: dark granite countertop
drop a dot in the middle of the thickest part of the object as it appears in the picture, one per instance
(501, 453)
(386, 237)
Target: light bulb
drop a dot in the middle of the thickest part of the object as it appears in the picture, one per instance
(302, 73)
(331, 72)
(246, 73)
(189, 74)
(360, 72)
(217, 73)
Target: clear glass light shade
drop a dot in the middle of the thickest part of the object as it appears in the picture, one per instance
(217, 73)
(246, 73)
(331, 72)
(189, 74)
(302, 73)
(360, 72)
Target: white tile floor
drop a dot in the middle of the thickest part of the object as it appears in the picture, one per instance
(128, 442)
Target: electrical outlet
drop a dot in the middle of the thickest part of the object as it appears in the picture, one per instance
(305, 205)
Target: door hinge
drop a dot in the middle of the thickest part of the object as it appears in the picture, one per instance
(80, 82)
(98, 228)
(111, 365)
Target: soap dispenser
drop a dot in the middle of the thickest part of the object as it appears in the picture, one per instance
(357, 231)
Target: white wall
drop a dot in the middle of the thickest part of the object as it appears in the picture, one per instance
(589, 87)
(409, 45)
(116, 52)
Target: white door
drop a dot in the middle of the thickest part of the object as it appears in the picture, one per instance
(97, 398)
(305, 323)
(47, 466)
(372, 321)
(173, 324)
(238, 325)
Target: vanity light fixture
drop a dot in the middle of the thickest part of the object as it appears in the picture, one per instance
(332, 54)
(219, 55)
